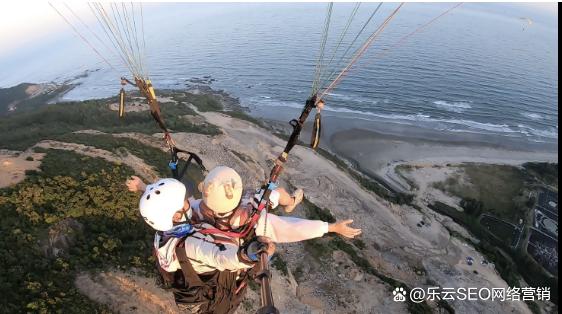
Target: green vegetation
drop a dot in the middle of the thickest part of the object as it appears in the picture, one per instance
(152, 156)
(489, 244)
(502, 192)
(457, 215)
(367, 182)
(23, 129)
(18, 95)
(88, 191)
(253, 285)
(472, 206)
(500, 229)
(494, 185)
(316, 213)
(359, 244)
(206, 103)
(203, 102)
(403, 168)
(280, 264)
(340, 244)
(13, 94)
(546, 173)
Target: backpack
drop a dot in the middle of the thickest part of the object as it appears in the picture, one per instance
(212, 292)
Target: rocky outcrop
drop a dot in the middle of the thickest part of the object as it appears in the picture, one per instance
(60, 237)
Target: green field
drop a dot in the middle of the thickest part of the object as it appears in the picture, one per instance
(499, 188)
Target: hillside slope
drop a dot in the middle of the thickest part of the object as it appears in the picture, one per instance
(317, 276)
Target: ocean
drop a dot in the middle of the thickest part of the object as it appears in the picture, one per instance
(486, 71)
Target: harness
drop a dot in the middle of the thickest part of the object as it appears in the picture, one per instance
(264, 274)
(264, 203)
(217, 292)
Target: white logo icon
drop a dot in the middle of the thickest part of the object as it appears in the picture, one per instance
(399, 294)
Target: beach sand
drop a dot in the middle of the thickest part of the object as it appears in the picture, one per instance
(373, 151)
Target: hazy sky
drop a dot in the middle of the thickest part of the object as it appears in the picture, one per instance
(23, 23)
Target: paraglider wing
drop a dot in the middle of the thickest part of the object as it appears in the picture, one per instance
(528, 22)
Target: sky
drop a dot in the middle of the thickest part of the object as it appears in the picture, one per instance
(23, 23)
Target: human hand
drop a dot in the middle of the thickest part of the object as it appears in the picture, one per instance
(251, 252)
(266, 245)
(343, 228)
(135, 184)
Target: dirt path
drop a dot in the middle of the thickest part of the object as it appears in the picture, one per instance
(14, 164)
(126, 292)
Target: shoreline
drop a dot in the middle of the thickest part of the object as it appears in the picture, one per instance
(394, 238)
(334, 123)
(377, 154)
(375, 146)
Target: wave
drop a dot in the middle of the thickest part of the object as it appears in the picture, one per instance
(547, 133)
(532, 116)
(451, 125)
(457, 106)
(270, 102)
(357, 99)
(443, 123)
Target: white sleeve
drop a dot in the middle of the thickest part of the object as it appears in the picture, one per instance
(209, 254)
(274, 198)
(281, 229)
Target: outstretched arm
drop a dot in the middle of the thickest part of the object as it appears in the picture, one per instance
(283, 229)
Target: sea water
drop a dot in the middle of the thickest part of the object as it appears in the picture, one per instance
(483, 69)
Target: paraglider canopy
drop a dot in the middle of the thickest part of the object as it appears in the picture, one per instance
(528, 22)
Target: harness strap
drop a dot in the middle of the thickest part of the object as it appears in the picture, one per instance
(186, 268)
(179, 173)
(146, 89)
(232, 234)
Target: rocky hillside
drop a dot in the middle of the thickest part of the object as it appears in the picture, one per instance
(401, 245)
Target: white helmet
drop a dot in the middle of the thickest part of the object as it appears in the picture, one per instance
(161, 201)
(222, 189)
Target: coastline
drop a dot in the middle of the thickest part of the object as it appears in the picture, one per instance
(375, 145)
(377, 154)
(375, 148)
(394, 238)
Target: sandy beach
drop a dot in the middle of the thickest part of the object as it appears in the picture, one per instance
(377, 154)
(373, 151)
